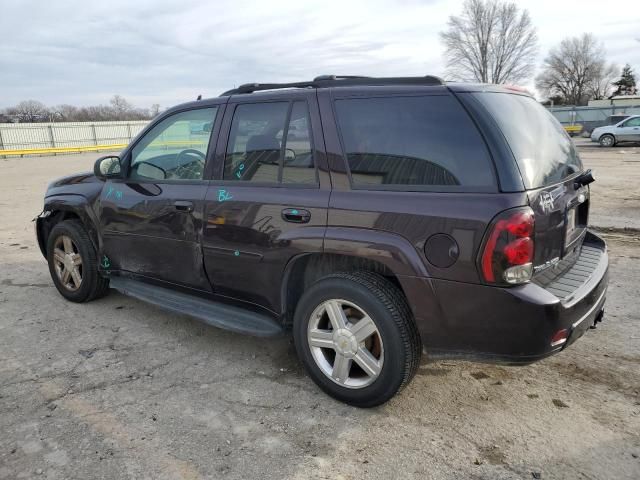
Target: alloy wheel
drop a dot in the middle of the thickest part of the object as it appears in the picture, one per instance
(607, 141)
(345, 343)
(67, 262)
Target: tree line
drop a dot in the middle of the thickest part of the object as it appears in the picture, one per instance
(493, 41)
(118, 109)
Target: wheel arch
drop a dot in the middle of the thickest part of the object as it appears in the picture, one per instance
(346, 250)
(61, 208)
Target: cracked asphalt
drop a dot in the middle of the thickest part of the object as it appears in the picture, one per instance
(118, 389)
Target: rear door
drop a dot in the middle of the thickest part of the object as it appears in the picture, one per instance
(548, 163)
(268, 201)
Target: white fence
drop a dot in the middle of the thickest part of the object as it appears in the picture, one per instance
(591, 117)
(27, 136)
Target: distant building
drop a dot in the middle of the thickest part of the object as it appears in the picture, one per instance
(618, 101)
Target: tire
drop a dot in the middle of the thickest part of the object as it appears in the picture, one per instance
(607, 140)
(395, 347)
(71, 239)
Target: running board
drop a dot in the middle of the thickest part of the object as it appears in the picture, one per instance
(210, 312)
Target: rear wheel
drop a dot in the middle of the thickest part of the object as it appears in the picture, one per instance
(607, 140)
(355, 335)
(73, 263)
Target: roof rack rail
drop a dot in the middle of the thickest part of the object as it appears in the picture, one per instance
(337, 81)
(337, 77)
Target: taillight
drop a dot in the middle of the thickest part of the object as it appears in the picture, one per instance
(507, 255)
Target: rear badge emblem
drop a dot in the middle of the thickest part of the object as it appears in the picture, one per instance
(546, 202)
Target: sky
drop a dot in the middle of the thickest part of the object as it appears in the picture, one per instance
(83, 52)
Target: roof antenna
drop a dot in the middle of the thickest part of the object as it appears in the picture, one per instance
(199, 97)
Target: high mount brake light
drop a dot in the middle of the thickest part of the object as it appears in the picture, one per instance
(507, 255)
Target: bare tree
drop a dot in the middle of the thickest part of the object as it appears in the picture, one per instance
(490, 42)
(118, 109)
(577, 70)
(68, 113)
(29, 111)
(602, 83)
(120, 106)
(155, 109)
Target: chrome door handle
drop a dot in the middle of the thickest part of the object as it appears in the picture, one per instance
(296, 215)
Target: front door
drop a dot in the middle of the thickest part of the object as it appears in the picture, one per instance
(629, 131)
(151, 221)
(269, 203)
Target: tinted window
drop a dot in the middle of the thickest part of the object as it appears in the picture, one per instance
(634, 122)
(298, 160)
(426, 141)
(254, 148)
(176, 148)
(543, 150)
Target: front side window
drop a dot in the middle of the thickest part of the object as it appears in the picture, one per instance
(176, 148)
(634, 122)
(270, 143)
(428, 142)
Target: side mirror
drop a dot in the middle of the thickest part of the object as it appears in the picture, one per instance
(289, 155)
(585, 179)
(107, 167)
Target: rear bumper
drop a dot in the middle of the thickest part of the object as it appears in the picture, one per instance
(508, 325)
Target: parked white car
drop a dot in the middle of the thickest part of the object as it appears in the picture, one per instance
(628, 130)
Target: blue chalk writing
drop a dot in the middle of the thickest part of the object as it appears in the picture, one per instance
(117, 194)
(223, 196)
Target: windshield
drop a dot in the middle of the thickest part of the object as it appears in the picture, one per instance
(544, 152)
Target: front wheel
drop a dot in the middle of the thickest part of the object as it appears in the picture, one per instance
(356, 337)
(607, 140)
(73, 263)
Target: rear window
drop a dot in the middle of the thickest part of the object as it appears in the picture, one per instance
(428, 142)
(543, 150)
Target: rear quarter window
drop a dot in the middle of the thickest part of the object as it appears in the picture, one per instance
(421, 143)
(544, 152)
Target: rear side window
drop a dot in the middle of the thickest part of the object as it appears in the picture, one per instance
(271, 143)
(254, 149)
(428, 142)
(544, 152)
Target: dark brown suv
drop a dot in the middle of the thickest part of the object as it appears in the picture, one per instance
(375, 217)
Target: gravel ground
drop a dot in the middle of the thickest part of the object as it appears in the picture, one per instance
(119, 389)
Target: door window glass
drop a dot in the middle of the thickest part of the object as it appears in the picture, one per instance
(298, 155)
(422, 141)
(261, 149)
(176, 148)
(634, 122)
(254, 148)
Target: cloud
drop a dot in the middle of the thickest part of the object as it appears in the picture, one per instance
(166, 52)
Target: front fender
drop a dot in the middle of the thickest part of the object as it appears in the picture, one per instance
(62, 206)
